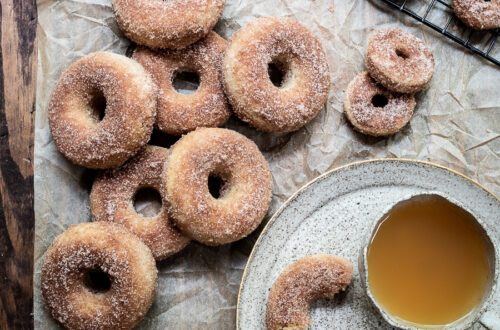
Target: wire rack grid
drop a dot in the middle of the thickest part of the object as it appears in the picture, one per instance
(467, 35)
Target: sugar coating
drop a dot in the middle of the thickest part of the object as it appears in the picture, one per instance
(207, 107)
(304, 281)
(478, 14)
(407, 74)
(250, 91)
(112, 197)
(373, 120)
(172, 24)
(245, 196)
(130, 95)
(111, 249)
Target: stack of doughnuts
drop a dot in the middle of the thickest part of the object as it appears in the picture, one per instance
(102, 113)
(181, 176)
(380, 101)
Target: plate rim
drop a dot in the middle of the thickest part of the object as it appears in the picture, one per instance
(287, 201)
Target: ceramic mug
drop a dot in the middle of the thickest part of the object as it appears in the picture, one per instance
(464, 322)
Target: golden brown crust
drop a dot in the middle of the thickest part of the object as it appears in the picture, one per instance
(407, 72)
(478, 14)
(112, 197)
(246, 194)
(372, 120)
(306, 280)
(107, 247)
(130, 95)
(250, 91)
(172, 24)
(208, 106)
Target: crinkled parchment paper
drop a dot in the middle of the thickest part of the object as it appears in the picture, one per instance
(456, 124)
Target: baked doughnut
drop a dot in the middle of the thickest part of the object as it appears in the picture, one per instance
(207, 107)
(96, 81)
(98, 276)
(238, 207)
(478, 14)
(291, 47)
(309, 279)
(112, 199)
(399, 61)
(374, 110)
(172, 24)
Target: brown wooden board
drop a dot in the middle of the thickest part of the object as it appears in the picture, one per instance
(18, 65)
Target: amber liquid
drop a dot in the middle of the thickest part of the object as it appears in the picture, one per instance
(428, 262)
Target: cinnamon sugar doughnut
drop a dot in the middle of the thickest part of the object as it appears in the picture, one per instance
(399, 61)
(292, 47)
(129, 96)
(309, 279)
(112, 199)
(478, 14)
(172, 24)
(374, 110)
(98, 276)
(207, 107)
(245, 194)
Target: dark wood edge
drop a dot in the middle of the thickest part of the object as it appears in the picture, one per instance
(18, 66)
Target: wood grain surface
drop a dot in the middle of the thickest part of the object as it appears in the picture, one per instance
(18, 64)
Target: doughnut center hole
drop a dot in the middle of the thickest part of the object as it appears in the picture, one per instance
(97, 106)
(216, 185)
(379, 101)
(401, 54)
(147, 202)
(97, 281)
(278, 71)
(186, 82)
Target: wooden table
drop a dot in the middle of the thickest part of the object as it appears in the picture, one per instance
(18, 67)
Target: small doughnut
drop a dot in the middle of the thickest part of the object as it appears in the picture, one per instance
(306, 280)
(99, 80)
(172, 24)
(399, 61)
(98, 276)
(478, 14)
(245, 192)
(112, 199)
(374, 110)
(208, 106)
(290, 46)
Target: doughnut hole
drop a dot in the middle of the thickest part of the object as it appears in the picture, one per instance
(147, 202)
(97, 105)
(186, 81)
(218, 185)
(379, 101)
(96, 280)
(279, 71)
(402, 54)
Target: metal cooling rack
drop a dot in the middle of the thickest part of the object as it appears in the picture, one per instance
(460, 34)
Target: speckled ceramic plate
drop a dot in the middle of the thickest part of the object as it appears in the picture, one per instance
(333, 214)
